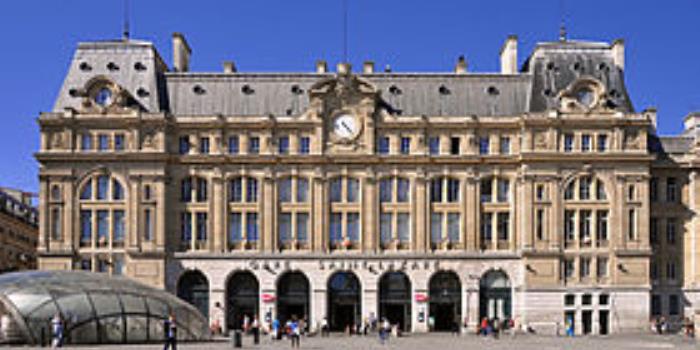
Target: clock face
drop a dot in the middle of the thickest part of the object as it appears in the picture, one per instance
(345, 126)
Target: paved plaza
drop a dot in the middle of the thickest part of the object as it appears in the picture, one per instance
(448, 342)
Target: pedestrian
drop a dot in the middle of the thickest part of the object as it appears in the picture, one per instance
(455, 326)
(295, 332)
(431, 323)
(170, 330)
(484, 327)
(246, 324)
(569, 325)
(496, 327)
(57, 331)
(275, 328)
(255, 328)
(324, 327)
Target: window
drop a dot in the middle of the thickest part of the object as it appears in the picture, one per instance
(336, 190)
(569, 191)
(568, 268)
(569, 225)
(283, 145)
(655, 305)
(586, 299)
(485, 232)
(147, 192)
(302, 227)
(383, 145)
(186, 228)
(584, 188)
(602, 267)
(632, 224)
(251, 190)
(671, 231)
(353, 186)
(568, 142)
(404, 227)
(585, 226)
(204, 145)
(452, 190)
(585, 143)
(602, 226)
(252, 227)
(302, 190)
(454, 145)
(505, 145)
(285, 228)
(673, 305)
(236, 190)
(483, 145)
(184, 145)
(405, 145)
(631, 193)
(119, 142)
(539, 224)
(102, 142)
(285, 190)
(569, 300)
(385, 190)
(585, 268)
(102, 227)
(86, 142)
(436, 228)
(503, 225)
(147, 225)
(85, 227)
(503, 190)
(600, 191)
(202, 193)
(385, 223)
(402, 190)
(671, 189)
(540, 192)
(434, 145)
(102, 187)
(602, 143)
(117, 190)
(353, 227)
(56, 224)
(118, 227)
(453, 227)
(654, 189)
(671, 271)
(436, 190)
(233, 144)
(235, 232)
(336, 227)
(486, 190)
(305, 145)
(254, 145)
(117, 265)
(603, 299)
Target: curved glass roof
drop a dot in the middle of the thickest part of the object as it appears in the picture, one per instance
(95, 308)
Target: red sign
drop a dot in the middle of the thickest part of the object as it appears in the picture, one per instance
(268, 298)
(421, 297)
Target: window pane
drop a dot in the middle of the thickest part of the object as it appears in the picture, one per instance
(385, 190)
(86, 142)
(234, 229)
(436, 227)
(486, 228)
(600, 191)
(85, 226)
(236, 190)
(254, 145)
(285, 190)
(304, 145)
(102, 142)
(453, 227)
(148, 225)
(186, 190)
(483, 145)
(202, 192)
(86, 193)
(252, 226)
(283, 145)
(503, 226)
(252, 190)
(119, 142)
(434, 145)
(117, 190)
(118, 226)
(404, 227)
(285, 227)
(102, 226)
(452, 190)
(302, 227)
(186, 227)
(302, 190)
(233, 145)
(336, 190)
(486, 190)
(503, 190)
(353, 188)
(436, 190)
(385, 220)
(353, 229)
(102, 187)
(336, 225)
(202, 226)
(403, 187)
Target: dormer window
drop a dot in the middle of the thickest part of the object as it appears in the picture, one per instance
(104, 96)
(585, 96)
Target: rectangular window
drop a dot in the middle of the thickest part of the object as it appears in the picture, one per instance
(505, 145)
(236, 190)
(402, 190)
(486, 190)
(102, 142)
(585, 267)
(285, 228)
(653, 231)
(302, 227)
(85, 227)
(118, 265)
(385, 221)
(383, 145)
(184, 145)
(119, 142)
(202, 227)
(202, 191)
(86, 142)
(503, 190)
(254, 145)
(539, 224)
(56, 224)
(353, 227)
(436, 228)
(585, 143)
(336, 227)
(569, 226)
(336, 189)
(602, 267)
(671, 231)
(485, 232)
(148, 225)
(584, 229)
(454, 145)
(653, 189)
(673, 305)
(404, 227)
(285, 190)
(102, 227)
(568, 268)
(452, 190)
(352, 190)
(186, 228)
(434, 145)
(251, 195)
(568, 142)
(405, 145)
(484, 145)
(632, 224)
(235, 233)
(453, 227)
(251, 221)
(671, 189)
(584, 188)
(302, 190)
(655, 305)
(305, 145)
(385, 190)
(602, 225)
(204, 145)
(602, 143)
(118, 227)
(503, 222)
(283, 145)
(671, 271)
(436, 190)
(233, 144)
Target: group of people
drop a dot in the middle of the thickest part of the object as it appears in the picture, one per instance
(660, 325)
(495, 326)
(293, 329)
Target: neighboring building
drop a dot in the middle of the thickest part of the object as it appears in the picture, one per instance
(19, 230)
(414, 196)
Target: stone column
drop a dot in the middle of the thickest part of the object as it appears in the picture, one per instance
(369, 209)
(471, 213)
(132, 209)
(320, 215)
(318, 306)
(268, 217)
(218, 213)
(160, 214)
(44, 223)
(420, 213)
(70, 215)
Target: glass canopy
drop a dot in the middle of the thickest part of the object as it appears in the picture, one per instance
(95, 308)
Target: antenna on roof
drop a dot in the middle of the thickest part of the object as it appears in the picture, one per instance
(125, 33)
(345, 31)
(562, 23)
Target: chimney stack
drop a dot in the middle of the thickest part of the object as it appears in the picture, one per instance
(509, 55)
(368, 67)
(321, 66)
(618, 52)
(181, 53)
(229, 67)
(461, 67)
(344, 68)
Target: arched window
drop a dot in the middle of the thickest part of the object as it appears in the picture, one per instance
(344, 228)
(445, 213)
(293, 220)
(243, 217)
(395, 213)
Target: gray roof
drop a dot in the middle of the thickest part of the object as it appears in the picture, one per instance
(676, 144)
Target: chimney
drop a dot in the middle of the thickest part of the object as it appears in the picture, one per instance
(368, 67)
(509, 55)
(229, 67)
(344, 68)
(181, 53)
(618, 53)
(461, 67)
(321, 66)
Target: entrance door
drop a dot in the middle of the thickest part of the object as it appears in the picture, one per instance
(395, 299)
(242, 299)
(587, 321)
(293, 297)
(495, 296)
(344, 306)
(193, 287)
(445, 296)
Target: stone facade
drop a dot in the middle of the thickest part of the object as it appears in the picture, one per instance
(18, 231)
(427, 198)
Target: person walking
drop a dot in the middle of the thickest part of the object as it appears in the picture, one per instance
(57, 331)
(255, 328)
(275, 329)
(170, 330)
(324, 327)
(295, 332)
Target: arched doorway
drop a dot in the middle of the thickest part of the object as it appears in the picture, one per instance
(445, 297)
(344, 305)
(495, 295)
(293, 297)
(395, 299)
(242, 298)
(193, 287)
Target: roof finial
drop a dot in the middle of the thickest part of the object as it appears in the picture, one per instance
(562, 24)
(125, 33)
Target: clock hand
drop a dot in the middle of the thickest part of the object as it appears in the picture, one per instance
(346, 127)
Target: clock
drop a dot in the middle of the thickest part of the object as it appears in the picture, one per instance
(345, 126)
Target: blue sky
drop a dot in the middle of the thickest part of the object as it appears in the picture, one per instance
(39, 36)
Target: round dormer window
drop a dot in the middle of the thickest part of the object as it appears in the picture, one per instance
(585, 96)
(104, 97)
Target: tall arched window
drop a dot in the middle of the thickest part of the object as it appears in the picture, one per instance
(445, 213)
(293, 220)
(495, 219)
(395, 213)
(102, 223)
(344, 198)
(243, 217)
(194, 217)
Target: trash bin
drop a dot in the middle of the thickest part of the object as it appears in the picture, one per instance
(236, 340)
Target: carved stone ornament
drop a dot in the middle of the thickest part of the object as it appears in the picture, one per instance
(541, 140)
(57, 140)
(103, 96)
(584, 95)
